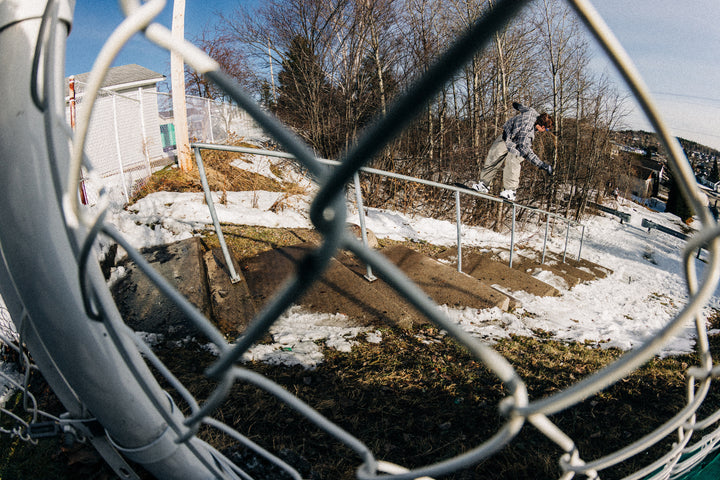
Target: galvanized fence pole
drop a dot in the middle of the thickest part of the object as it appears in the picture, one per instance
(234, 278)
(361, 216)
(101, 370)
(547, 227)
(512, 236)
(118, 148)
(208, 105)
(459, 230)
(582, 239)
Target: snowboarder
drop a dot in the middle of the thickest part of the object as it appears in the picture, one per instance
(510, 148)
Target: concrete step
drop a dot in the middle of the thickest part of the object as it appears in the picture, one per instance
(444, 284)
(340, 289)
(141, 304)
(231, 303)
(572, 276)
(489, 270)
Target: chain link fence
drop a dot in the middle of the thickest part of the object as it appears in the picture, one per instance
(140, 421)
(209, 121)
(131, 134)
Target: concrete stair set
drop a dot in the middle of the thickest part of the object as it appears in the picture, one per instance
(203, 278)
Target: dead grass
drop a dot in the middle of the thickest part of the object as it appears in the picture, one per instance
(418, 397)
(713, 321)
(247, 241)
(221, 177)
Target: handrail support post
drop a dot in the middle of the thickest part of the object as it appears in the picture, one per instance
(369, 276)
(234, 277)
(459, 230)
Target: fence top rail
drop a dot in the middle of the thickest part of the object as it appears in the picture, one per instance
(325, 161)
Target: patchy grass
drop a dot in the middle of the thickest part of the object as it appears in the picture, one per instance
(221, 177)
(169, 179)
(713, 321)
(248, 241)
(415, 398)
(423, 247)
(415, 402)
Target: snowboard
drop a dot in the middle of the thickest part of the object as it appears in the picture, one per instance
(462, 185)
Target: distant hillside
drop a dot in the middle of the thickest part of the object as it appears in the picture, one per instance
(702, 158)
(648, 141)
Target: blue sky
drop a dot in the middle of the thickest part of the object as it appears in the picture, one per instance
(674, 44)
(95, 19)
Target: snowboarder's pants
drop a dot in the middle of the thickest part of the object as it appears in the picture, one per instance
(496, 156)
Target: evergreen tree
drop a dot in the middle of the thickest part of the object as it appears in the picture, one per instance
(676, 202)
(366, 94)
(266, 96)
(303, 93)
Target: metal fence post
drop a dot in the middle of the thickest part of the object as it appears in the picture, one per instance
(547, 226)
(361, 216)
(141, 94)
(582, 239)
(234, 278)
(100, 370)
(459, 233)
(567, 236)
(118, 148)
(512, 236)
(210, 121)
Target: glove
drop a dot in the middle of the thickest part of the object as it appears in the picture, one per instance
(548, 168)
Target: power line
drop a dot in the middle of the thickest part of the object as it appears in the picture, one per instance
(696, 97)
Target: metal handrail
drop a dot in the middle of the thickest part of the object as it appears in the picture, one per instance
(197, 147)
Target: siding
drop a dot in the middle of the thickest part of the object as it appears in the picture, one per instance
(123, 141)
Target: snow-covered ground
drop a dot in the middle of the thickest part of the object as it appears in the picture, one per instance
(645, 291)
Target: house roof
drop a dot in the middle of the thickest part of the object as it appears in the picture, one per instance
(651, 164)
(122, 77)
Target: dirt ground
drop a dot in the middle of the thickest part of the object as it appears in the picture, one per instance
(205, 282)
(198, 271)
(203, 278)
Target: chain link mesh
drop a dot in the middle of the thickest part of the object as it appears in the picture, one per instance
(328, 215)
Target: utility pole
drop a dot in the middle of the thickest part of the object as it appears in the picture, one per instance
(177, 72)
(272, 77)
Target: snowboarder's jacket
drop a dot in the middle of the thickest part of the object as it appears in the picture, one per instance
(519, 131)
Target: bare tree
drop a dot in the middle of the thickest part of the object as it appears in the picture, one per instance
(337, 63)
(231, 60)
(423, 43)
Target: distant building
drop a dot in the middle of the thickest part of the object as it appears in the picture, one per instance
(124, 136)
(616, 148)
(643, 175)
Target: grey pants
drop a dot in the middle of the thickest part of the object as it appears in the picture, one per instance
(496, 156)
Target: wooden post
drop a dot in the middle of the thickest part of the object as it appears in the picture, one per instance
(177, 72)
(73, 118)
(73, 102)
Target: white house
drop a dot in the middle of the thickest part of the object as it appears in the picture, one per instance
(123, 143)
